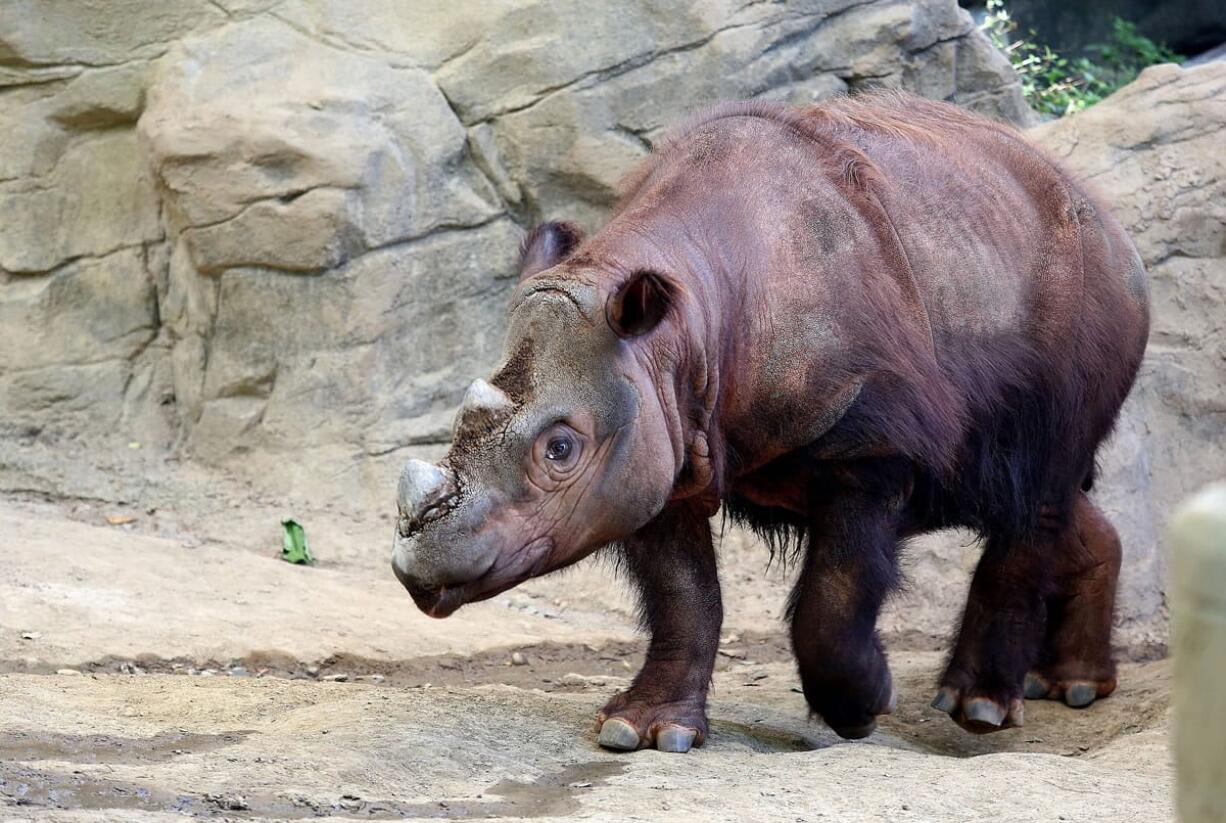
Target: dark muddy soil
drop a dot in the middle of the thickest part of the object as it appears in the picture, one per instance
(543, 666)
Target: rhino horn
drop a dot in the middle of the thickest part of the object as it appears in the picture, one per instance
(483, 407)
(483, 397)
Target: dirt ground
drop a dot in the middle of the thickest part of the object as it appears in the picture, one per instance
(172, 666)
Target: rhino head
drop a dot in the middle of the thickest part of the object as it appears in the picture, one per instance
(569, 446)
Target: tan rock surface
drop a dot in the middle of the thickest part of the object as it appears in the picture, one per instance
(316, 188)
(90, 592)
(154, 747)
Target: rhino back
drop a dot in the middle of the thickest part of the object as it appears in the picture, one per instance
(827, 246)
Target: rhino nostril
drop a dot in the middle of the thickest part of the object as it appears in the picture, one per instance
(409, 525)
(426, 492)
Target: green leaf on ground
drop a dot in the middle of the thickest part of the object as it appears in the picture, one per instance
(294, 547)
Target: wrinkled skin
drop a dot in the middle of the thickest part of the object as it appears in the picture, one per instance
(847, 325)
(516, 513)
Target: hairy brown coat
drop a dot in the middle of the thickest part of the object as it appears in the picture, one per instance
(847, 324)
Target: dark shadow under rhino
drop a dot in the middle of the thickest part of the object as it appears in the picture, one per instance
(847, 324)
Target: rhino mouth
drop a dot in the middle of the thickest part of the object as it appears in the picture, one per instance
(437, 602)
(442, 601)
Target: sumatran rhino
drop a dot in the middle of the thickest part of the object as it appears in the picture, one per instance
(846, 324)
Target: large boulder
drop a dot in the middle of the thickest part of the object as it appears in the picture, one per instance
(300, 218)
(337, 259)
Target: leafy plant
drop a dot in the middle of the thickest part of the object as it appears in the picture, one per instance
(1128, 51)
(1057, 85)
(294, 548)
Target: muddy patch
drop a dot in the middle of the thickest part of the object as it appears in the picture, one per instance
(551, 795)
(544, 666)
(762, 738)
(101, 748)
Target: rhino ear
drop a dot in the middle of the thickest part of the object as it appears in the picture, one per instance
(546, 246)
(640, 304)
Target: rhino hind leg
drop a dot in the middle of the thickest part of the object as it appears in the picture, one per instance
(672, 563)
(850, 566)
(1076, 664)
(1000, 636)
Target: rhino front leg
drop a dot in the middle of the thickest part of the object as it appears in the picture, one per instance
(672, 562)
(850, 566)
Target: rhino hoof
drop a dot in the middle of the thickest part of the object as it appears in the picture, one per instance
(618, 735)
(674, 739)
(982, 710)
(1035, 687)
(945, 701)
(1080, 694)
(855, 732)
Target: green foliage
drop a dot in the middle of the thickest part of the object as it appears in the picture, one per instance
(1057, 85)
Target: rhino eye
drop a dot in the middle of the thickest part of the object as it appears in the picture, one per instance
(559, 449)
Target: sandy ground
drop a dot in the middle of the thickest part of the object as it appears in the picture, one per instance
(172, 667)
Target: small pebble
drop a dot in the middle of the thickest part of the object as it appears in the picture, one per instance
(336, 678)
(30, 635)
(68, 672)
(235, 803)
(238, 671)
(518, 659)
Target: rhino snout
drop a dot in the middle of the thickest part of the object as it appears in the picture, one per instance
(434, 567)
(437, 580)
